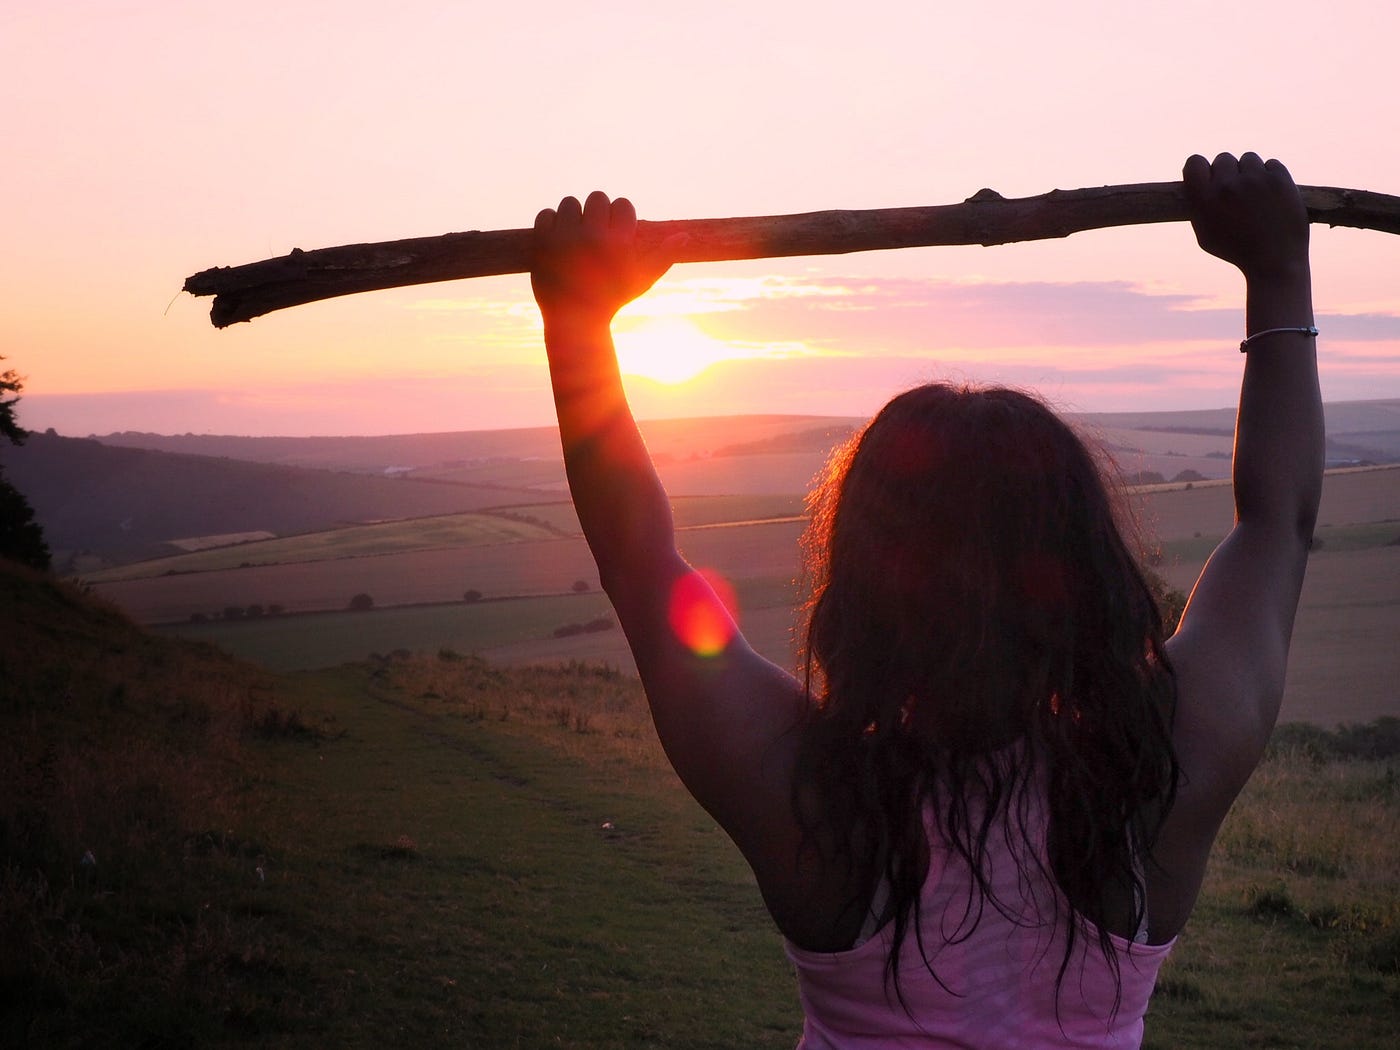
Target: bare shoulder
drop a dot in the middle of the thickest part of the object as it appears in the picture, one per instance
(1227, 693)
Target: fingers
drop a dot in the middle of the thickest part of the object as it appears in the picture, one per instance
(1225, 165)
(1226, 177)
(597, 215)
(624, 217)
(1195, 174)
(570, 210)
(596, 212)
(1279, 171)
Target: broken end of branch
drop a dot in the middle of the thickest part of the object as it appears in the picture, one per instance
(228, 310)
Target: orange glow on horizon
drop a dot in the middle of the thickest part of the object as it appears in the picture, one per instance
(669, 350)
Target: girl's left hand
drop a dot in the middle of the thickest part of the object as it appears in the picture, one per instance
(587, 263)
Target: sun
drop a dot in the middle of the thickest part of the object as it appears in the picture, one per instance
(669, 350)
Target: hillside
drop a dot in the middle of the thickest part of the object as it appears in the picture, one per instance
(436, 453)
(102, 505)
(123, 904)
(129, 497)
(436, 851)
(1357, 432)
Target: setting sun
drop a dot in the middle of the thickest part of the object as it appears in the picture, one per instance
(669, 350)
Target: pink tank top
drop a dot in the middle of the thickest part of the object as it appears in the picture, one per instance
(999, 973)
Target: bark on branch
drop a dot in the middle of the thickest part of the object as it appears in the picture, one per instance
(244, 292)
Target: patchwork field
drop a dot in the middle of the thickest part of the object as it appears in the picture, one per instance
(1344, 666)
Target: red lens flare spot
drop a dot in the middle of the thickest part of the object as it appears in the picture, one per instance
(702, 611)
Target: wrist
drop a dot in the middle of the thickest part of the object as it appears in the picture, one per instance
(574, 323)
(1283, 274)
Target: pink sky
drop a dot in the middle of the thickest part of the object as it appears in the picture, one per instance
(148, 141)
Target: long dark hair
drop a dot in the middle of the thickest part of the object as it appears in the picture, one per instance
(972, 591)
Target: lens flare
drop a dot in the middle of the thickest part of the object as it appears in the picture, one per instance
(702, 611)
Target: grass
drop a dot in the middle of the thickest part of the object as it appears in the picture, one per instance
(308, 641)
(692, 511)
(1327, 539)
(516, 524)
(432, 850)
(420, 852)
(687, 511)
(354, 541)
(546, 899)
(302, 642)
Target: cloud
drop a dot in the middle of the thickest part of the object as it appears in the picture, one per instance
(810, 345)
(902, 315)
(499, 398)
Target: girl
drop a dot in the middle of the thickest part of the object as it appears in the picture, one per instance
(982, 814)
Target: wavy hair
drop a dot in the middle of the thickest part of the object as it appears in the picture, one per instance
(972, 590)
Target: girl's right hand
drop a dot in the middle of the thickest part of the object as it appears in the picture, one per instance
(1249, 213)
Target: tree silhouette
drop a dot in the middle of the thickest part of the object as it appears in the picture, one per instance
(21, 538)
(10, 383)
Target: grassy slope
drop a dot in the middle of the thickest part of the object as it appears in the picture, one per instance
(493, 891)
(125, 504)
(376, 867)
(125, 868)
(516, 524)
(456, 854)
(514, 913)
(355, 541)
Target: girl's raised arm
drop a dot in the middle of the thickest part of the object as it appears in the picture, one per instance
(1231, 648)
(724, 717)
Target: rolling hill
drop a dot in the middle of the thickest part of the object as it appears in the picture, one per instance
(132, 496)
(100, 505)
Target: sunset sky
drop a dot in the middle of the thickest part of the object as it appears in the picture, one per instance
(146, 141)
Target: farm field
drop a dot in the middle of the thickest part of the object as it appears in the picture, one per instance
(1344, 666)
(515, 523)
(549, 566)
(355, 541)
(508, 631)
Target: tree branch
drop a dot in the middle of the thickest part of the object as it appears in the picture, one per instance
(986, 218)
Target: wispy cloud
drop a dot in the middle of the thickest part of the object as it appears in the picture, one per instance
(903, 315)
(917, 316)
(821, 345)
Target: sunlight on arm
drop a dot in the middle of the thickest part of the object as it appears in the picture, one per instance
(702, 612)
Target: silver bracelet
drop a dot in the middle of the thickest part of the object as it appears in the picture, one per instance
(1303, 330)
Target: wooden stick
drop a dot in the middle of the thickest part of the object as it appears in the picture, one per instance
(244, 292)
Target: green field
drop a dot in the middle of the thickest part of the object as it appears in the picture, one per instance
(289, 643)
(353, 541)
(438, 853)
(312, 640)
(433, 850)
(502, 525)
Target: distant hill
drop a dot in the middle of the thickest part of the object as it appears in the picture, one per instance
(103, 505)
(1357, 431)
(126, 497)
(439, 453)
